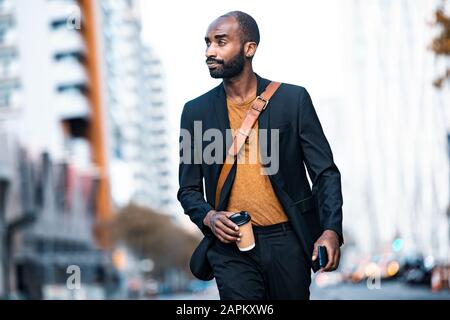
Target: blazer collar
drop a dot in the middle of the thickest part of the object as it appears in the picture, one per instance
(261, 84)
(220, 105)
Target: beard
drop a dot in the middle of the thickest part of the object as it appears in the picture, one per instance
(229, 69)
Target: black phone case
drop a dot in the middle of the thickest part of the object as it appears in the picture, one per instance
(322, 259)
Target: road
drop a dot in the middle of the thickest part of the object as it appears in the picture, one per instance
(387, 291)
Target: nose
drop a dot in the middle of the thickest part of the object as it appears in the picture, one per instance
(210, 52)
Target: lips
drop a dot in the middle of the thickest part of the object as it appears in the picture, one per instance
(212, 65)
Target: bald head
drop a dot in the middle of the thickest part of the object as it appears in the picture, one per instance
(248, 28)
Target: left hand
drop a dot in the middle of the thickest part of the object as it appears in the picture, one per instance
(330, 240)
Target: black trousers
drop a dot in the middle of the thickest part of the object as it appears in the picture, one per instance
(277, 268)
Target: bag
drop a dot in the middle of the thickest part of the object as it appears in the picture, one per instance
(199, 263)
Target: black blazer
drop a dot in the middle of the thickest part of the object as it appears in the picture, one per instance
(301, 141)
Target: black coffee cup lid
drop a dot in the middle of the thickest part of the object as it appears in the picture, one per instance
(240, 218)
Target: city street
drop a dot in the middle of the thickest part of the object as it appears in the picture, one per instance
(388, 291)
(116, 134)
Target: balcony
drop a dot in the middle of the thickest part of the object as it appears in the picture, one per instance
(70, 71)
(8, 49)
(6, 7)
(64, 40)
(9, 36)
(62, 10)
(72, 104)
(10, 101)
(9, 70)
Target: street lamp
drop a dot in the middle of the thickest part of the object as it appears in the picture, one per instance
(4, 185)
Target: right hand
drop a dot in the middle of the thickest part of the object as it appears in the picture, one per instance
(222, 227)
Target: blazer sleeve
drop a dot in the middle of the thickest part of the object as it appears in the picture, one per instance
(190, 193)
(324, 174)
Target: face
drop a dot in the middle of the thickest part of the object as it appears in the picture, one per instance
(225, 53)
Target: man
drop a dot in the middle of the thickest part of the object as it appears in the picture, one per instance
(289, 219)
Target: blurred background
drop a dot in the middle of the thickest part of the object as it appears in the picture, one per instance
(91, 93)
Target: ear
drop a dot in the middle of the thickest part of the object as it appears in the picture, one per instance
(250, 49)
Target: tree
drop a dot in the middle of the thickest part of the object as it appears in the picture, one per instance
(441, 43)
(149, 234)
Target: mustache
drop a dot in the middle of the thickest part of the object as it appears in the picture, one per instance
(214, 61)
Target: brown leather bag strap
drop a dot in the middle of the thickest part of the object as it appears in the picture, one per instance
(242, 133)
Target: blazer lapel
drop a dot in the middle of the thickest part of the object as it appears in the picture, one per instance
(264, 117)
(221, 111)
(264, 123)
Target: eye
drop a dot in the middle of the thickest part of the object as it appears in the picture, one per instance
(222, 42)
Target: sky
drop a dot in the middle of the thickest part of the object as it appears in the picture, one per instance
(295, 46)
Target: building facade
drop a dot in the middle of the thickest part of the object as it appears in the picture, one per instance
(134, 98)
(54, 187)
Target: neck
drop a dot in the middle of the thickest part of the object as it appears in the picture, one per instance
(241, 87)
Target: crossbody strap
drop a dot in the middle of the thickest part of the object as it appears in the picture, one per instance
(258, 106)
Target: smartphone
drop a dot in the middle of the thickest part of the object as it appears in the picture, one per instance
(322, 258)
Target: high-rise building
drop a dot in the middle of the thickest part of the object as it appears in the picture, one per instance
(49, 89)
(51, 136)
(136, 110)
(9, 71)
(82, 108)
(153, 176)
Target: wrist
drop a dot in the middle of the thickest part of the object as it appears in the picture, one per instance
(330, 233)
(207, 219)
